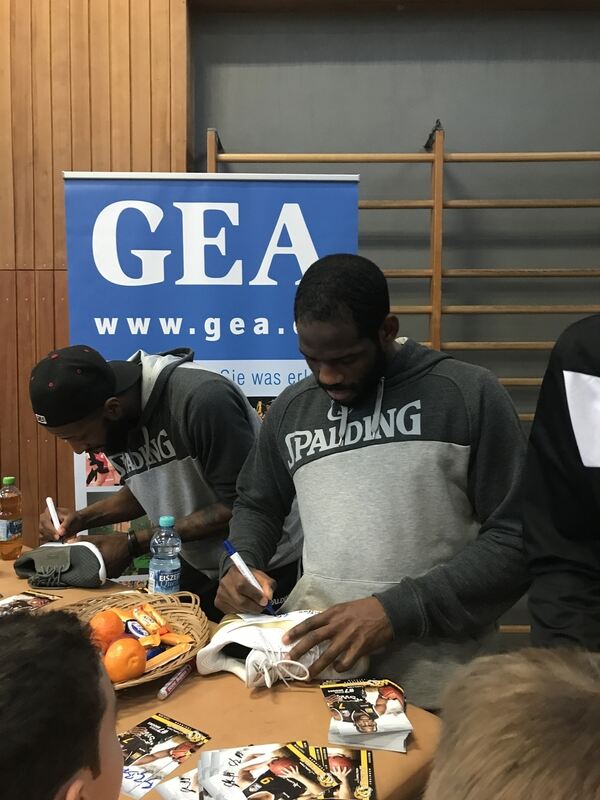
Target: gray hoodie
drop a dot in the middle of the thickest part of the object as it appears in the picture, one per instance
(194, 434)
(409, 497)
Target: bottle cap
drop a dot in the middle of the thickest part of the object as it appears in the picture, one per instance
(166, 522)
(8, 481)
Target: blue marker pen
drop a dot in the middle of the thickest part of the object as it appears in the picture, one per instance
(243, 568)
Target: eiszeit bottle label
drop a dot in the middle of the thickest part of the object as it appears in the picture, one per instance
(164, 581)
(10, 529)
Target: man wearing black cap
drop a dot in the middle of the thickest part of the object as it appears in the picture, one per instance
(178, 436)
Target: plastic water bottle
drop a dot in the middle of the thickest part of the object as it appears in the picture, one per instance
(165, 564)
(11, 522)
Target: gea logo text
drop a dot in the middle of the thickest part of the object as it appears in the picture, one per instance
(298, 242)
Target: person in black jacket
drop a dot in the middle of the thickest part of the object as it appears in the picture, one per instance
(561, 494)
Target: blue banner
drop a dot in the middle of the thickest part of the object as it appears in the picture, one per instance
(209, 262)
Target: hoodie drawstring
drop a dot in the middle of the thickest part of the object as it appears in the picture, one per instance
(343, 425)
(377, 410)
(375, 419)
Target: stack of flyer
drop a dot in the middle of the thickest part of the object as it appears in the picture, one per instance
(286, 772)
(182, 787)
(367, 713)
(26, 601)
(153, 749)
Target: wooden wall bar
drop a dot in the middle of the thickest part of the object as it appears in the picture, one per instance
(84, 84)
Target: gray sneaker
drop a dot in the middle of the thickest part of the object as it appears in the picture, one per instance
(79, 564)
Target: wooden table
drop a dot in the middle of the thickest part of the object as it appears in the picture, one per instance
(232, 715)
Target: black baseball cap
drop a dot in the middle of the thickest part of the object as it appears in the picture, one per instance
(73, 382)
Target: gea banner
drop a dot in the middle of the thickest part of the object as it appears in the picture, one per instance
(209, 262)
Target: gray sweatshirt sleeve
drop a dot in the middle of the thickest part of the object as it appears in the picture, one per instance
(265, 493)
(212, 418)
(223, 436)
(484, 579)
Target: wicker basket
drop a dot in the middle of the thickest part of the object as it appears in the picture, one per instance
(182, 611)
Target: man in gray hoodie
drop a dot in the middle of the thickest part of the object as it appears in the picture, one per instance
(177, 435)
(405, 463)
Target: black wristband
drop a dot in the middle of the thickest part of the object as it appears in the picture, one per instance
(133, 544)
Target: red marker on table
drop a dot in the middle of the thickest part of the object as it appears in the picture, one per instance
(174, 682)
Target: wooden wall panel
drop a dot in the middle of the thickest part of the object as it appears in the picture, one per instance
(22, 132)
(179, 89)
(141, 109)
(9, 418)
(28, 466)
(84, 84)
(79, 29)
(120, 95)
(60, 57)
(161, 84)
(43, 199)
(7, 206)
(100, 85)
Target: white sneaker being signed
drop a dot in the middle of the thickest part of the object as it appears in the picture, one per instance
(250, 646)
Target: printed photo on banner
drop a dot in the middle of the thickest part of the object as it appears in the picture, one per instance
(99, 471)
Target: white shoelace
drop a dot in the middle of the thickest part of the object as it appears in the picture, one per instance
(275, 666)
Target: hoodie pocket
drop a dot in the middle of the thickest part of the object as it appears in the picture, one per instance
(317, 593)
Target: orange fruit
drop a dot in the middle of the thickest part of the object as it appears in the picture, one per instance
(106, 627)
(124, 660)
